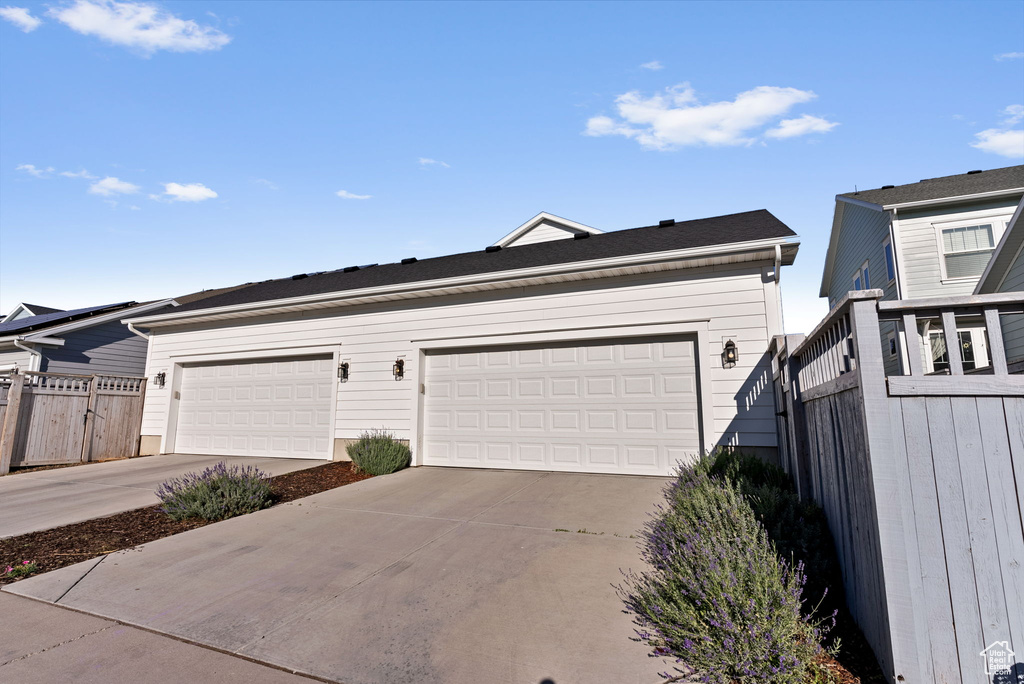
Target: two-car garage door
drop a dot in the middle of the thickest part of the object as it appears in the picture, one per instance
(270, 407)
(606, 406)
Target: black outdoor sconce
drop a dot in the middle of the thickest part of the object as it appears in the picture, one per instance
(729, 355)
(343, 371)
(398, 370)
(160, 379)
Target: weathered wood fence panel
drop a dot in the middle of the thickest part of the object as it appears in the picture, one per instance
(921, 478)
(53, 419)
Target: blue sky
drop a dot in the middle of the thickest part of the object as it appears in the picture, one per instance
(149, 150)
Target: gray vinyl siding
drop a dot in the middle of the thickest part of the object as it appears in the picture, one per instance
(1013, 326)
(921, 255)
(108, 348)
(862, 238)
(15, 356)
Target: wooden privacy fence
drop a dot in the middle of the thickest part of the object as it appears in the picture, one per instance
(49, 418)
(921, 477)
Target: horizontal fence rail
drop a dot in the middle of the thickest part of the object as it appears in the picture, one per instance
(51, 418)
(921, 475)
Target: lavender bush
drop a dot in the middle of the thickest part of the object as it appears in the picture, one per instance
(217, 493)
(717, 597)
(378, 452)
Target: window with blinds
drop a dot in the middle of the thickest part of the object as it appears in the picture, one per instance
(967, 250)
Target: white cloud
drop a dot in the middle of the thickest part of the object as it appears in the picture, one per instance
(78, 174)
(676, 117)
(191, 192)
(1004, 140)
(270, 185)
(31, 170)
(1001, 142)
(138, 25)
(345, 194)
(791, 128)
(113, 186)
(1014, 115)
(653, 66)
(427, 161)
(1009, 55)
(20, 17)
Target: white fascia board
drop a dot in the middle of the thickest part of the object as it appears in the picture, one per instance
(1012, 236)
(444, 285)
(29, 339)
(537, 220)
(995, 194)
(90, 321)
(14, 312)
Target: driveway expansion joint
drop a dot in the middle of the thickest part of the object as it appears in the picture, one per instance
(58, 645)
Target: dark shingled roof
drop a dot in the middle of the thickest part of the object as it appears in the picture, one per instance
(720, 230)
(947, 186)
(31, 323)
(40, 310)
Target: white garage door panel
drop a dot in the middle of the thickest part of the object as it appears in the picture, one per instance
(622, 407)
(274, 407)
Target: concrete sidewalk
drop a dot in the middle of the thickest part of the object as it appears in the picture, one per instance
(41, 644)
(43, 499)
(430, 575)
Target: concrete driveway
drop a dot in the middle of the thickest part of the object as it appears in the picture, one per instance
(428, 575)
(43, 499)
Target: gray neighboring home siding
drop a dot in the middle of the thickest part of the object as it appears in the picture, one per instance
(1013, 326)
(1006, 274)
(14, 358)
(862, 238)
(105, 349)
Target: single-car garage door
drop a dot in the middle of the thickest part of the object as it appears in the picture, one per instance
(271, 407)
(607, 407)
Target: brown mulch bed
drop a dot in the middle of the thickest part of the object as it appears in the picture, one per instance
(70, 544)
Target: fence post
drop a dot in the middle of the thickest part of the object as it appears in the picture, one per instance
(90, 412)
(890, 486)
(796, 422)
(138, 420)
(9, 430)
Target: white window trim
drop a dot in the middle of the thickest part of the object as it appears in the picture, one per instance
(998, 228)
(859, 275)
(887, 242)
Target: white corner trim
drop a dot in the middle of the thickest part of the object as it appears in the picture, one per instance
(536, 221)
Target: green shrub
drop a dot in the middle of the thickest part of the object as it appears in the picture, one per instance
(378, 452)
(216, 493)
(718, 598)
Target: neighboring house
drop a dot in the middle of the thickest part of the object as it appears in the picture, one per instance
(558, 348)
(86, 341)
(81, 341)
(1005, 273)
(928, 239)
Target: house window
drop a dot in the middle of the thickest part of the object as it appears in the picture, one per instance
(967, 250)
(890, 263)
(892, 345)
(940, 356)
(860, 278)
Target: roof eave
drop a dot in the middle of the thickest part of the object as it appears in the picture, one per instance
(445, 285)
(994, 194)
(1013, 240)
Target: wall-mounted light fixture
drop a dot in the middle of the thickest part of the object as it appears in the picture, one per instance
(398, 370)
(160, 379)
(729, 354)
(343, 371)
